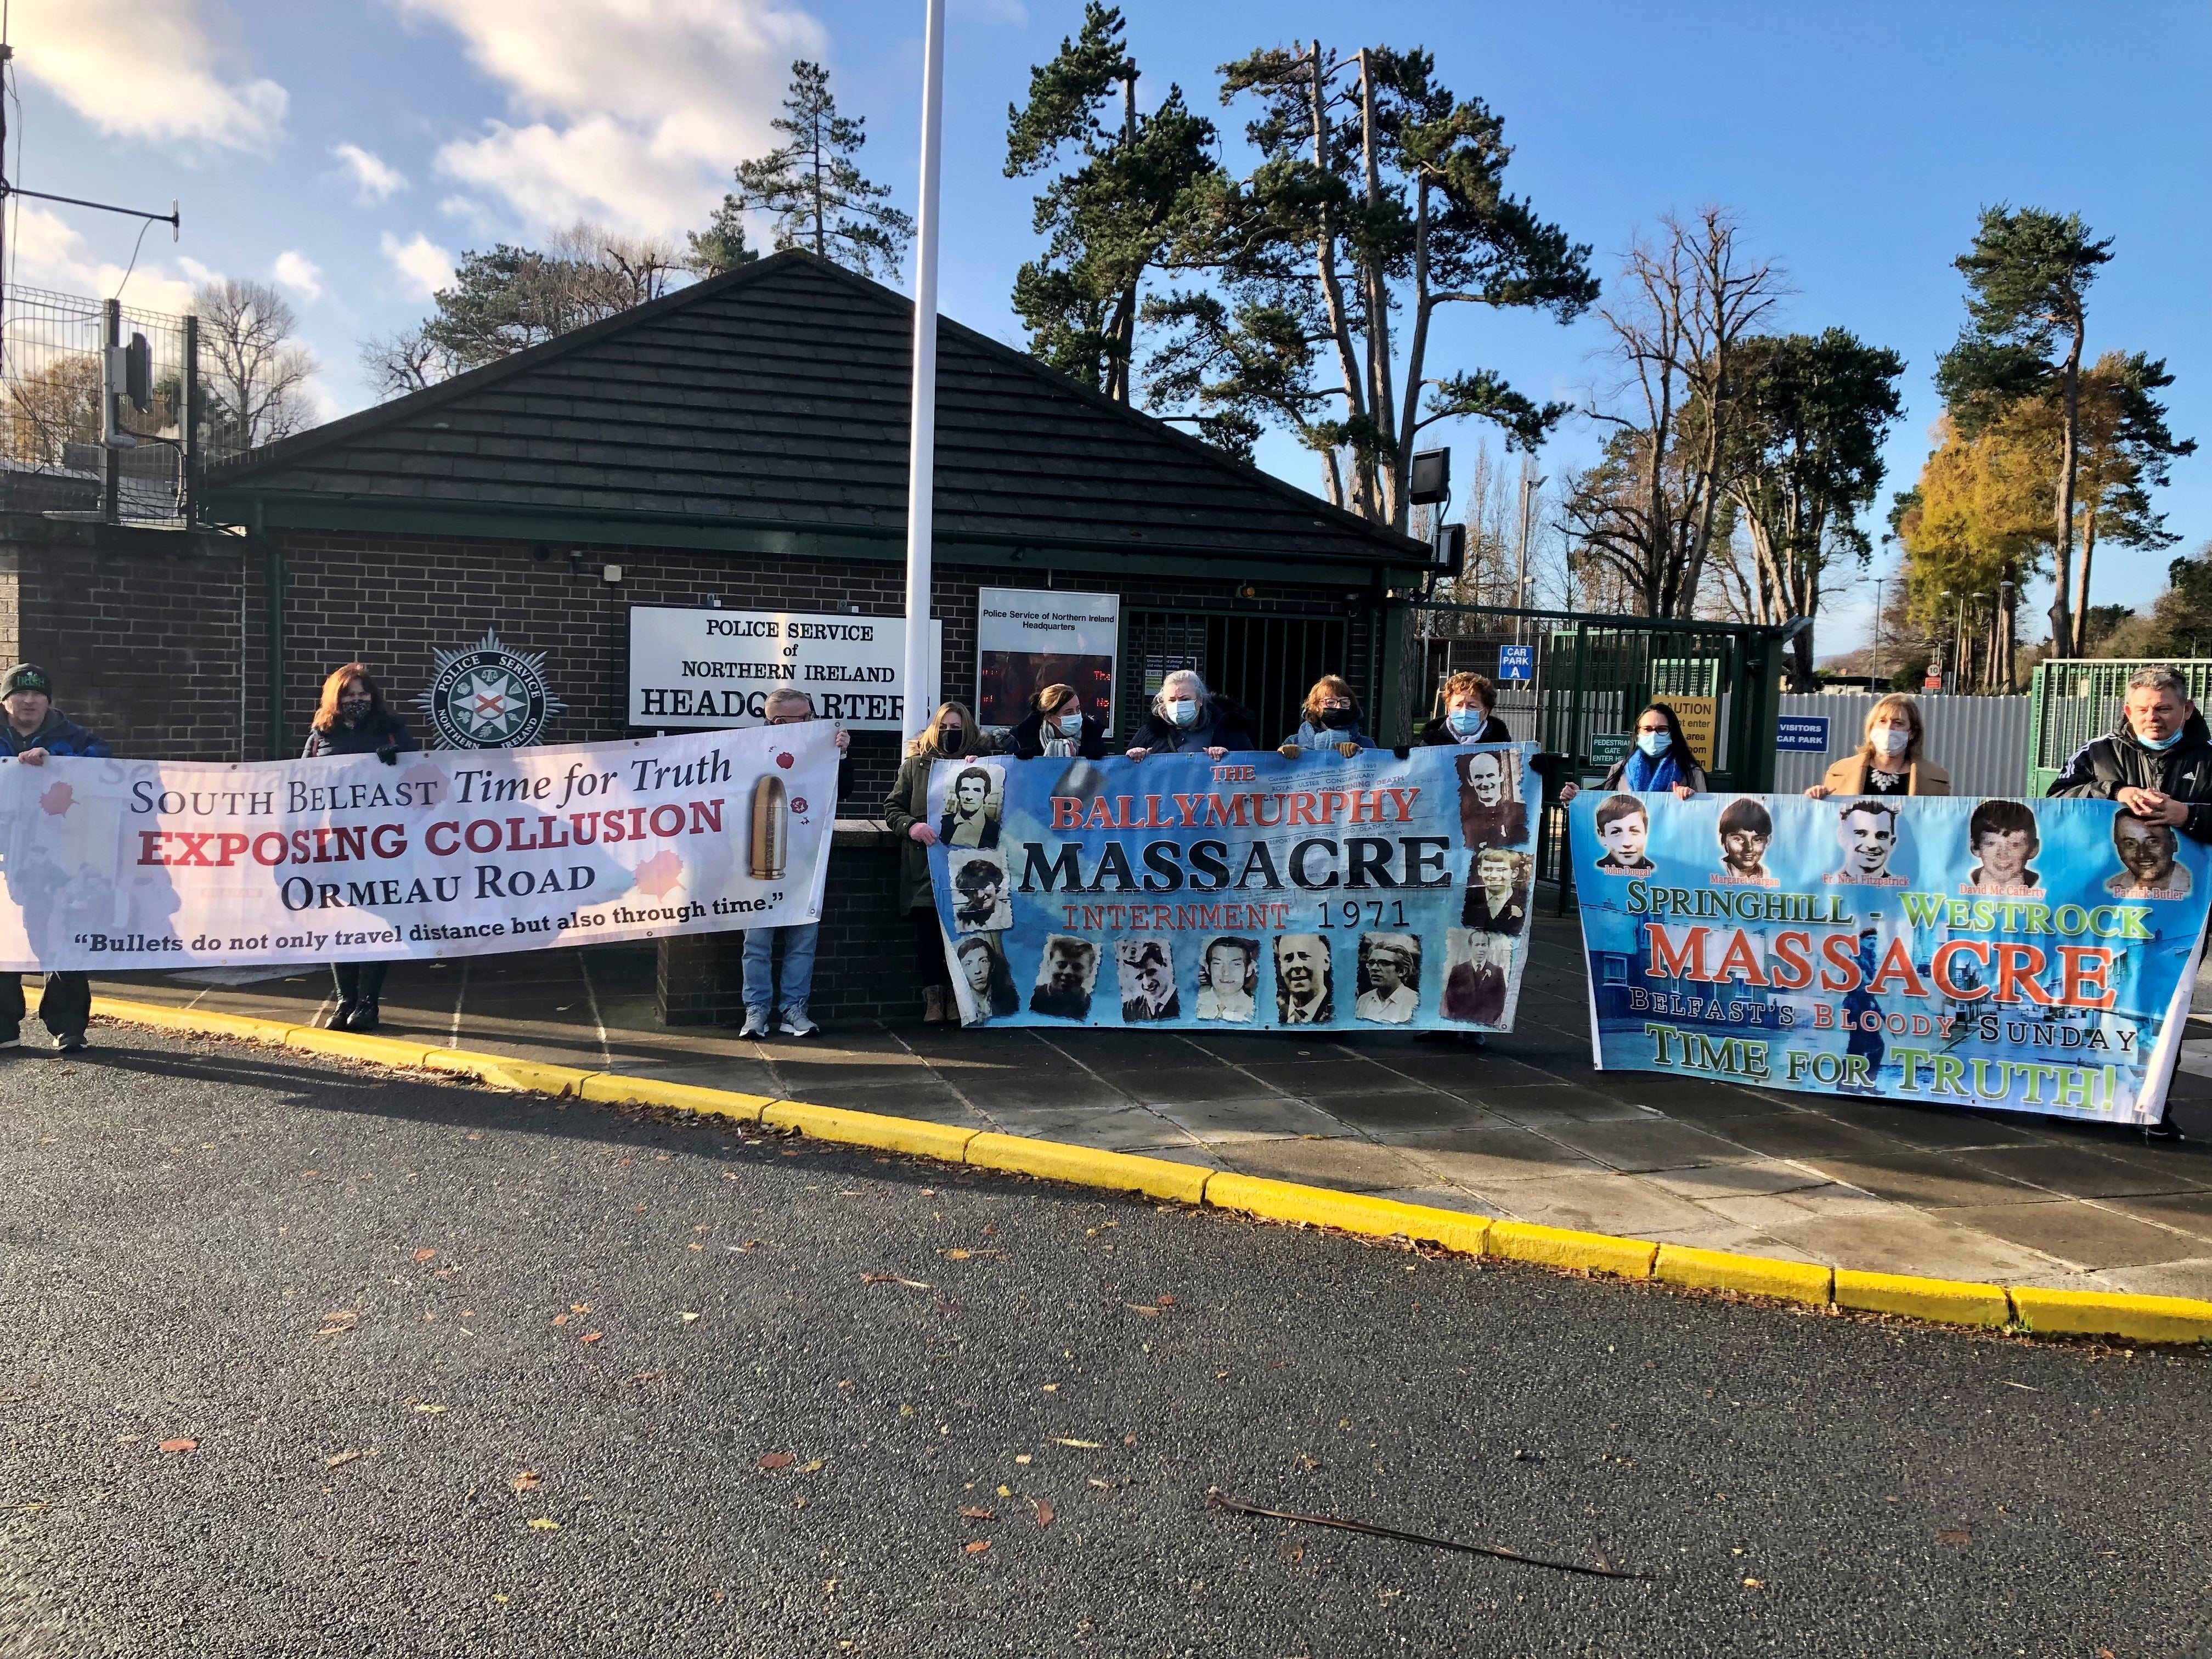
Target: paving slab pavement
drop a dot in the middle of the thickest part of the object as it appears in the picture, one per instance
(1523, 1128)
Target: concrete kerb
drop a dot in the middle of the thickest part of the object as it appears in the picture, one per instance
(2142, 1319)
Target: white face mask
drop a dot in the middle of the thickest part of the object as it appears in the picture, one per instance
(1892, 739)
(1071, 725)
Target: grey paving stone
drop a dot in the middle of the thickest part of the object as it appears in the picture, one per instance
(1928, 1180)
(1401, 1115)
(1599, 1203)
(1347, 1165)
(1120, 1128)
(1561, 1102)
(2078, 1171)
(1256, 1117)
(1497, 1150)
(1313, 1076)
(2190, 1212)
(744, 1076)
(1933, 1127)
(1437, 1198)
(1066, 1090)
(1193, 1085)
(2191, 1278)
(1643, 1143)
(1898, 1240)
(2083, 1235)
(1757, 1179)
(1790, 1133)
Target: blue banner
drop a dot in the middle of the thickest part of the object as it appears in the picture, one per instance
(2035, 955)
(1381, 891)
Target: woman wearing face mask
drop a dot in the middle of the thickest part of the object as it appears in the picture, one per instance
(1187, 718)
(1889, 760)
(1662, 759)
(950, 735)
(352, 720)
(1331, 722)
(1057, 726)
(1468, 699)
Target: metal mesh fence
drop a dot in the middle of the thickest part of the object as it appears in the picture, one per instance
(2074, 701)
(51, 459)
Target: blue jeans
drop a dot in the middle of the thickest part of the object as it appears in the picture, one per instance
(797, 967)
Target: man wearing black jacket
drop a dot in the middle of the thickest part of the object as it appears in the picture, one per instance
(2157, 765)
(31, 729)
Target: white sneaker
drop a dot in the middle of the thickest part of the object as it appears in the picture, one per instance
(757, 1024)
(796, 1024)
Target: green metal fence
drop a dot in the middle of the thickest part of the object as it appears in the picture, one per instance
(2074, 701)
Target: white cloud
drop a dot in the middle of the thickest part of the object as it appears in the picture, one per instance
(46, 252)
(424, 267)
(152, 72)
(631, 111)
(296, 271)
(374, 179)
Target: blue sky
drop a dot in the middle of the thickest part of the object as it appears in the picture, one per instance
(1856, 143)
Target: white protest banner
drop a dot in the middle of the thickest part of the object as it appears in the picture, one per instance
(715, 668)
(1027, 637)
(117, 864)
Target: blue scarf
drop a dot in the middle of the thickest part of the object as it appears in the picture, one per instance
(1645, 776)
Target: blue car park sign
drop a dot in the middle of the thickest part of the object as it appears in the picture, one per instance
(1516, 662)
(1804, 733)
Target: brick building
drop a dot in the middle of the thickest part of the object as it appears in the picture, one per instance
(741, 443)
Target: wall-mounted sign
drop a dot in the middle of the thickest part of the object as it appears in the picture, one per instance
(1802, 733)
(1516, 662)
(710, 667)
(1028, 637)
(486, 696)
(1700, 718)
(1610, 748)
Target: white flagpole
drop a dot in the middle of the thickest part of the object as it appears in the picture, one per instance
(921, 443)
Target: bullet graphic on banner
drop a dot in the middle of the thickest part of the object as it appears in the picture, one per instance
(771, 828)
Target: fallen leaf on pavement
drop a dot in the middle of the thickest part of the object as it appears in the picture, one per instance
(893, 1279)
(560, 1319)
(1021, 1457)
(431, 1410)
(1043, 1511)
(343, 1457)
(777, 1460)
(526, 1481)
(1955, 1536)
(425, 1256)
(579, 1307)
(955, 1255)
(1164, 1301)
(1050, 1387)
(589, 1336)
(1087, 1445)
(688, 1317)
(180, 1445)
(1103, 1485)
(543, 1523)
(1005, 1492)
(976, 1512)
(1754, 1583)
(978, 1546)
(1146, 1308)
(814, 1467)
(647, 1377)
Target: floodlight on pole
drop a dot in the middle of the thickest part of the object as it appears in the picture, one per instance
(921, 436)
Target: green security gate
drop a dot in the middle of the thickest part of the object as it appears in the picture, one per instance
(2073, 701)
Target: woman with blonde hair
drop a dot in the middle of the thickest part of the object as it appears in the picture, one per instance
(1889, 760)
(352, 718)
(1056, 727)
(1331, 721)
(951, 734)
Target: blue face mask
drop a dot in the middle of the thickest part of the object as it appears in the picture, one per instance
(1466, 722)
(1654, 744)
(1184, 714)
(2160, 745)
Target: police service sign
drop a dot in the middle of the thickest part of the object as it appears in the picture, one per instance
(690, 668)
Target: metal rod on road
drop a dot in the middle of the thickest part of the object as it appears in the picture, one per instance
(921, 441)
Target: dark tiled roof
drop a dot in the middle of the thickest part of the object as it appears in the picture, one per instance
(776, 398)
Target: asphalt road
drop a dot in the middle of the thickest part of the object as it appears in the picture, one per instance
(467, 1372)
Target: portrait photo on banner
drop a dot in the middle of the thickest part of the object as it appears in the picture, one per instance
(1067, 975)
(1478, 976)
(1229, 980)
(1390, 992)
(984, 981)
(1490, 810)
(1305, 987)
(1144, 973)
(973, 805)
(982, 902)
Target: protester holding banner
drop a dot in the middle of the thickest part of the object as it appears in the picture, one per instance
(1331, 722)
(1889, 760)
(33, 729)
(951, 734)
(1662, 759)
(1187, 718)
(1057, 728)
(352, 717)
(784, 706)
(2158, 760)
(1467, 717)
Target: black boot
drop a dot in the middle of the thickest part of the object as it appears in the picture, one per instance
(365, 1016)
(341, 1018)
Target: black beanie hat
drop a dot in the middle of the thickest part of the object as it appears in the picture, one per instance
(27, 677)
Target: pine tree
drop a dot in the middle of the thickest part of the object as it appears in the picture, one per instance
(813, 188)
